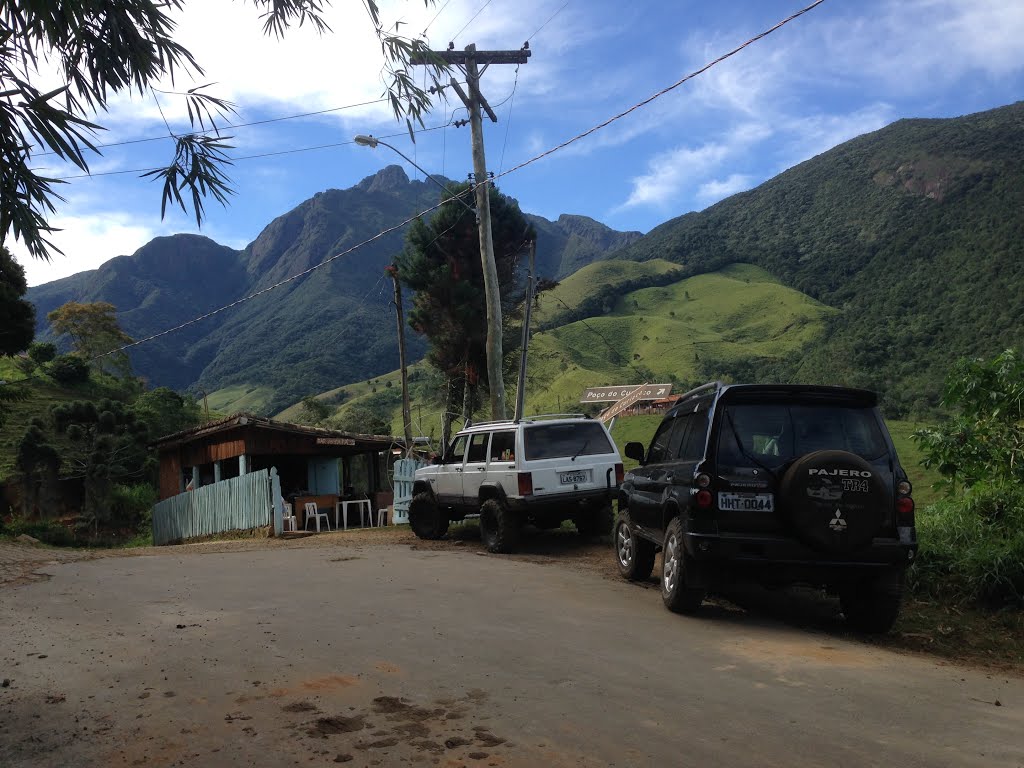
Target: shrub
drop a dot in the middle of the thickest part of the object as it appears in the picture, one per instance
(47, 531)
(69, 369)
(131, 505)
(972, 547)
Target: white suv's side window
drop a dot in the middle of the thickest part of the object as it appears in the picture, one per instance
(478, 448)
(457, 451)
(503, 446)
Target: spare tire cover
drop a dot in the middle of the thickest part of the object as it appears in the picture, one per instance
(834, 500)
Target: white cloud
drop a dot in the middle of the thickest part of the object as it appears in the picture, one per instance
(717, 189)
(685, 168)
(87, 240)
(816, 133)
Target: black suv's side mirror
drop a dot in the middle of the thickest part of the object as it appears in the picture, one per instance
(635, 451)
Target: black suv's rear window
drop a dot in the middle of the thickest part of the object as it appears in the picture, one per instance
(555, 441)
(775, 434)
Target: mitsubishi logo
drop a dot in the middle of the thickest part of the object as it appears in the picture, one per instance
(837, 523)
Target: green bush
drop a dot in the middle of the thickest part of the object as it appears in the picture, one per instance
(972, 547)
(69, 369)
(131, 505)
(47, 531)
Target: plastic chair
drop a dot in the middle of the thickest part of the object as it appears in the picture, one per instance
(382, 516)
(290, 522)
(312, 513)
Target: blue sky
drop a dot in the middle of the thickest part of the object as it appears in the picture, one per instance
(845, 68)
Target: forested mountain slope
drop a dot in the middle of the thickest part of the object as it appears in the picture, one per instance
(914, 232)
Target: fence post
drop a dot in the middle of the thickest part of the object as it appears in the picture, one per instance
(276, 502)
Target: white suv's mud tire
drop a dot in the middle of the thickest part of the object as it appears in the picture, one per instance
(499, 527)
(426, 518)
(677, 593)
(633, 555)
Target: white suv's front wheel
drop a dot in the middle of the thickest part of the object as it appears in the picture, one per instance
(426, 518)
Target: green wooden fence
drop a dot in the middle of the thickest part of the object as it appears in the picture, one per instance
(241, 503)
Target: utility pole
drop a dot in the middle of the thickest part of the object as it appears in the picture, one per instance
(469, 62)
(406, 413)
(521, 391)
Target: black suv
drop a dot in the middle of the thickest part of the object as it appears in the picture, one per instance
(780, 484)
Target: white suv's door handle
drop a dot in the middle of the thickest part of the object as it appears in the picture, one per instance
(481, 469)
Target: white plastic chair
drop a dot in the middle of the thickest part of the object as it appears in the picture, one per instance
(382, 516)
(290, 522)
(312, 513)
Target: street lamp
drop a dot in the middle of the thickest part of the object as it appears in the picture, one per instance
(373, 141)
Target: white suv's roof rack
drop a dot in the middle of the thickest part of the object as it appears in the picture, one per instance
(537, 417)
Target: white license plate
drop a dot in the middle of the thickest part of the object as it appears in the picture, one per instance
(746, 502)
(573, 478)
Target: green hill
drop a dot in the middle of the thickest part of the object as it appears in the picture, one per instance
(660, 333)
(915, 232)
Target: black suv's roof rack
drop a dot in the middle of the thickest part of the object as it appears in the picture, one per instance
(711, 385)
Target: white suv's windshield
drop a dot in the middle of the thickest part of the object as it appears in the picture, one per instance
(556, 441)
(776, 434)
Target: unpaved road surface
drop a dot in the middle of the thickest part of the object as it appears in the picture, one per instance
(356, 651)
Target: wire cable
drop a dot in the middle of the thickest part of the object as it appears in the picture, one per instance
(471, 20)
(424, 32)
(508, 119)
(660, 93)
(254, 157)
(537, 31)
(276, 285)
(412, 218)
(232, 126)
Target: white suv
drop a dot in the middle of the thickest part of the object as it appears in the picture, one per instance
(540, 470)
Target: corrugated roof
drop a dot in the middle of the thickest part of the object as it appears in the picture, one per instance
(252, 420)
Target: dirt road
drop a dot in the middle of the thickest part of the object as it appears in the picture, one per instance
(382, 651)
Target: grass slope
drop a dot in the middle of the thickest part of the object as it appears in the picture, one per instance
(663, 333)
(577, 287)
(657, 333)
(43, 395)
(240, 397)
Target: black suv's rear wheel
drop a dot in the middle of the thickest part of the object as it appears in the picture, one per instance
(634, 556)
(872, 604)
(426, 518)
(499, 527)
(677, 591)
(594, 520)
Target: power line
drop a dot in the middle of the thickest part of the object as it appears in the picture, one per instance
(537, 31)
(662, 92)
(254, 157)
(424, 32)
(508, 119)
(443, 202)
(472, 19)
(278, 284)
(232, 126)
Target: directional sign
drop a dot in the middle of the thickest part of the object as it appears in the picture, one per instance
(614, 394)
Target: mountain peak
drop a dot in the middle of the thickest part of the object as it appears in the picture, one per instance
(387, 180)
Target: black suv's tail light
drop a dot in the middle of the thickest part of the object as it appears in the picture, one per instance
(704, 498)
(903, 488)
(905, 509)
(620, 474)
(702, 480)
(525, 484)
